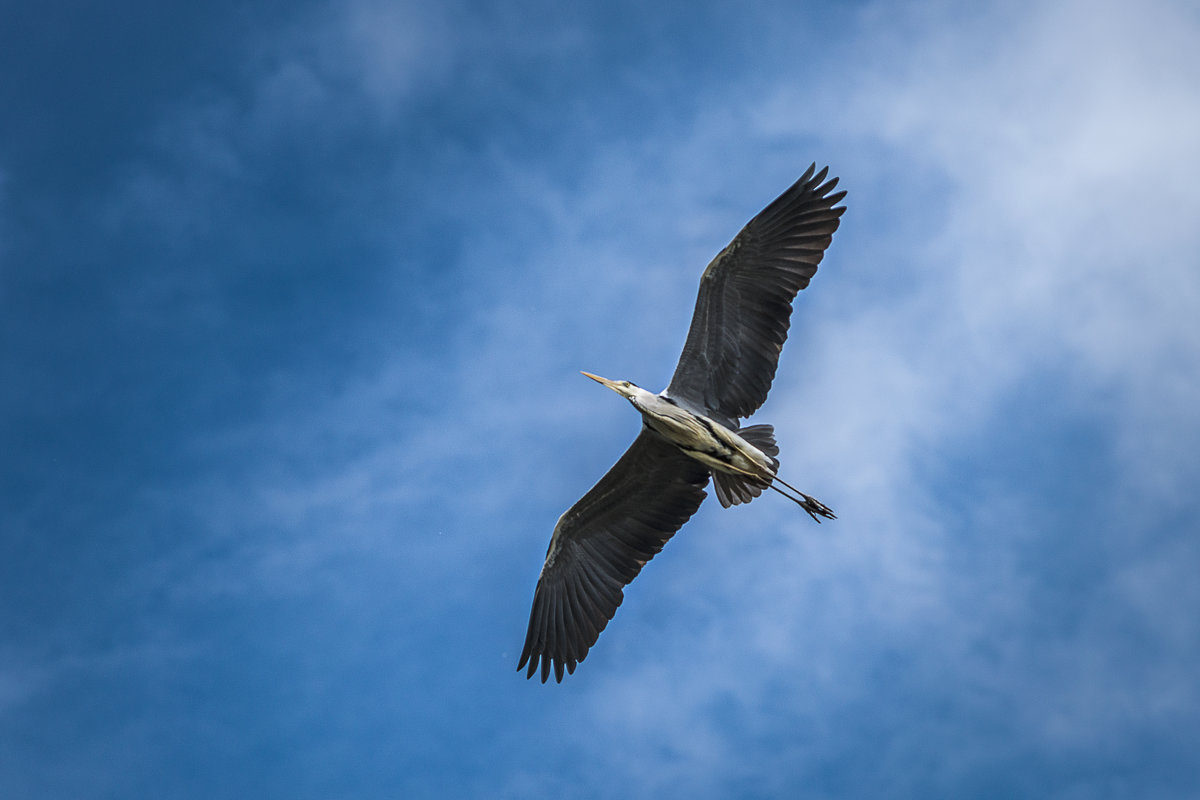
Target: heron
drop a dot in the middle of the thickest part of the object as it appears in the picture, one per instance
(691, 431)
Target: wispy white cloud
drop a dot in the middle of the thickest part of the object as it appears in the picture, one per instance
(365, 57)
(1066, 142)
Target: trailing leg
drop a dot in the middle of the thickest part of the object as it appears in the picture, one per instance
(811, 505)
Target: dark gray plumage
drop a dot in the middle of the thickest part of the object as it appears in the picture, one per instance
(601, 544)
(744, 307)
(691, 430)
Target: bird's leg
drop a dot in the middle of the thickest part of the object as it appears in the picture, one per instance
(811, 505)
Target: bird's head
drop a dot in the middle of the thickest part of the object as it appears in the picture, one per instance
(623, 388)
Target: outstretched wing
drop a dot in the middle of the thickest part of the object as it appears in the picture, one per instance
(601, 544)
(745, 302)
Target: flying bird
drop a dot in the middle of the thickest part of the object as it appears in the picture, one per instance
(690, 430)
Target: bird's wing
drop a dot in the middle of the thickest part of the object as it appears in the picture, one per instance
(745, 302)
(601, 543)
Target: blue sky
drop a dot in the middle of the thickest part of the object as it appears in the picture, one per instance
(293, 299)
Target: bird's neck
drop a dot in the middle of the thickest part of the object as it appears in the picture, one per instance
(643, 400)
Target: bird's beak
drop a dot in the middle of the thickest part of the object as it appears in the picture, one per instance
(610, 384)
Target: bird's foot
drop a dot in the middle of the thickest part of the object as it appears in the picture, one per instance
(816, 509)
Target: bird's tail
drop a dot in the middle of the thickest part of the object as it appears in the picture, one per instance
(734, 489)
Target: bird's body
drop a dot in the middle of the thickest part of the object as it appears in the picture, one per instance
(704, 439)
(740, 468)
(690, 430)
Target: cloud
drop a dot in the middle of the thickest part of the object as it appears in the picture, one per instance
(1071, 185)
